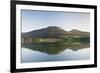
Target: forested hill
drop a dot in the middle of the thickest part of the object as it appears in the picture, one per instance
(54, 31)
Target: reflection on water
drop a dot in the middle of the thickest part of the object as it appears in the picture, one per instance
(42, 52)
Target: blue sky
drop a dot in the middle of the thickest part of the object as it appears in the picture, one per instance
(35, 19)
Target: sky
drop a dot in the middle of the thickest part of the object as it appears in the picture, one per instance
(35, 19)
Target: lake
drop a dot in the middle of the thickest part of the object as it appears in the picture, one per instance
(44, 52)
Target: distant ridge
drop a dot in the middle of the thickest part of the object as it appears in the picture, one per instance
(54, 31)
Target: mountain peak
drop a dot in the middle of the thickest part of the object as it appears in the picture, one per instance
(54, 28)
(54, 31)
(75, 30)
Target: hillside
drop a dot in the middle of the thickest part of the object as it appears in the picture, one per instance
(54, 31)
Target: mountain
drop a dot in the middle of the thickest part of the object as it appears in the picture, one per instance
(54, 31)
(75, 32)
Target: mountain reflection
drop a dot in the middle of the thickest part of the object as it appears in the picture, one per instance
(54, 48)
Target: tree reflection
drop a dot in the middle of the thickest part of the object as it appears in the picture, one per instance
(55, 48)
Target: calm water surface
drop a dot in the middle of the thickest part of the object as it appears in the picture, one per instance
(54, 52)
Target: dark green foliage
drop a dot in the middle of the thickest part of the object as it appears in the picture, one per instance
(84, 39)
(54, 48)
